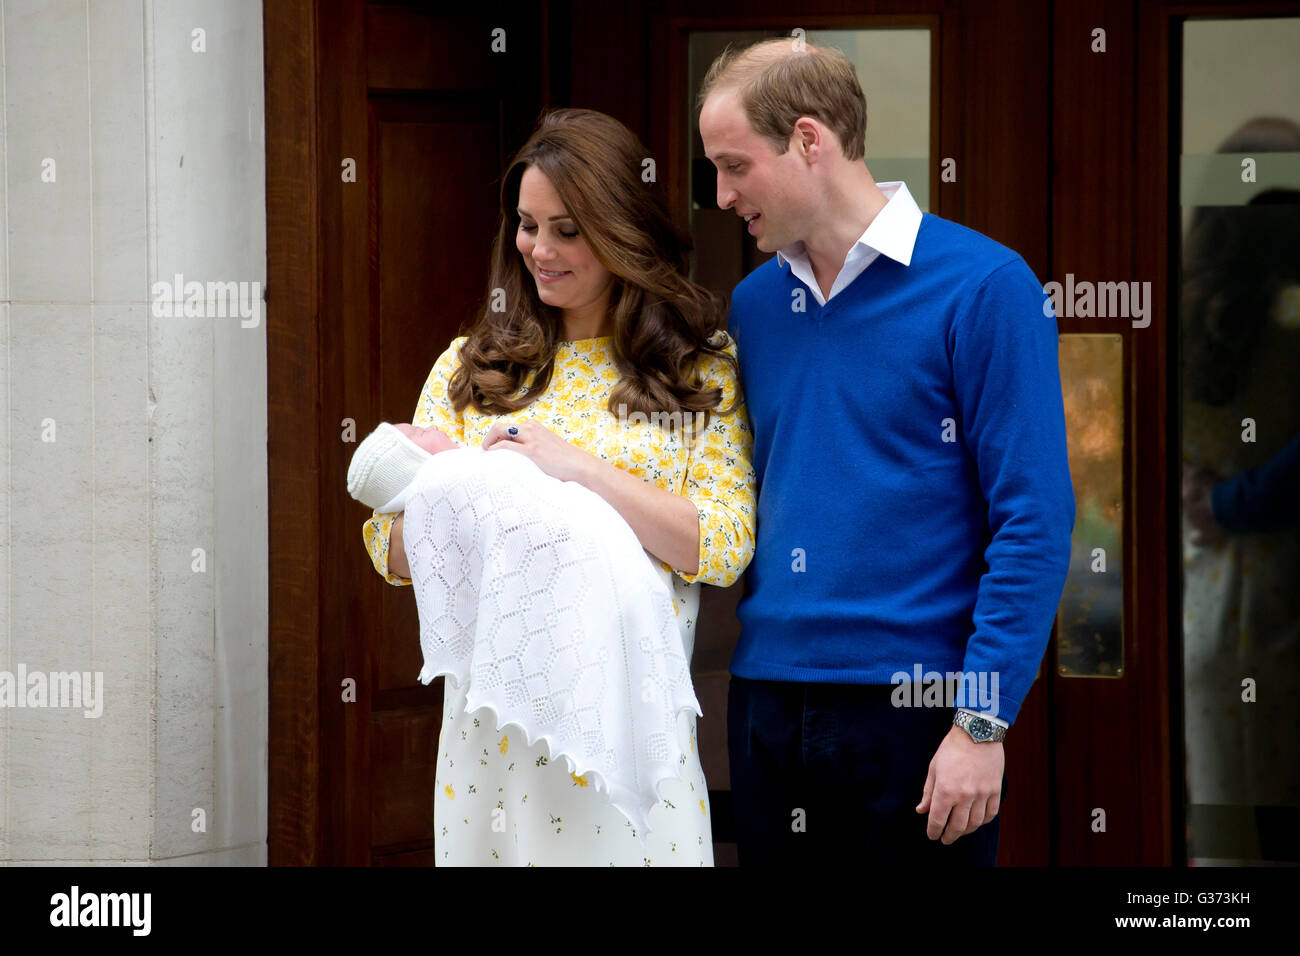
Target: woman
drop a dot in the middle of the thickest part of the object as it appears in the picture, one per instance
(590, 341)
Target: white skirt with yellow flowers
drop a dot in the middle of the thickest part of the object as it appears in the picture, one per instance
(500, 802)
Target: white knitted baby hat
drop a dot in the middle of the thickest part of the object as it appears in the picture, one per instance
(383, 464)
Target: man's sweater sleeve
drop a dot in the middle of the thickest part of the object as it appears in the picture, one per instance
(1008, 391)
(1266, 498)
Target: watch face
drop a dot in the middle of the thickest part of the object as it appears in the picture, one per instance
(980, 728)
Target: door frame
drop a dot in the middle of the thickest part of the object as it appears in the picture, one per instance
(294, 788)
(989, 127)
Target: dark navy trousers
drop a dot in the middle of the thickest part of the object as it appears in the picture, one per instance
(852, 762)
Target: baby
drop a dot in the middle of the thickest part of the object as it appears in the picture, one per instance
(386, 462)
(538, 599)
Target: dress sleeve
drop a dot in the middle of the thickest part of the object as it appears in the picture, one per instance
(434, 409)
(720, 481)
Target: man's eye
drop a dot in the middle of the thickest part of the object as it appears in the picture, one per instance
(733, 167)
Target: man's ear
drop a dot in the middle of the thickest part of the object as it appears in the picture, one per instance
(808, 137)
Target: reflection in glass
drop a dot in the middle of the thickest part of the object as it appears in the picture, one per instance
(1239, 325)
(1090, 620)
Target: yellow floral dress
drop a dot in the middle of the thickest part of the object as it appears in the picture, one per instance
(501, 802)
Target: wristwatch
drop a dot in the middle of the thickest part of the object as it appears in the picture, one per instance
(981, 731)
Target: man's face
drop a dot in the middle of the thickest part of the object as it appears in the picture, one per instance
(753, 179)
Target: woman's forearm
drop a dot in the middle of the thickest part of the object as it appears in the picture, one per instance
(397, 563)
(667, 525)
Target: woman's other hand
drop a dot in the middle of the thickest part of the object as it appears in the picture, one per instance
(1198, 483)
(397, 563)
(551, 453)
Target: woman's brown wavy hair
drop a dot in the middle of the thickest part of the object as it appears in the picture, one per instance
(662, 321)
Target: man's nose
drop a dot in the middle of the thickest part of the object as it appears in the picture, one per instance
(725, 197)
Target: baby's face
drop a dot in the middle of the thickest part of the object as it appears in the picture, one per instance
(430, 439)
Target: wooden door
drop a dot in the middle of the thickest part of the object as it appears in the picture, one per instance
(380, 268)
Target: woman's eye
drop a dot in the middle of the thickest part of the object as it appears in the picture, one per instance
(566, 235)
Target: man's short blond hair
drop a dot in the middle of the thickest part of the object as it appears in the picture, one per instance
(778, 83)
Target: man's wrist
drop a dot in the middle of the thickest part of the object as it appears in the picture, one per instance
(989, 717)
(981, 729)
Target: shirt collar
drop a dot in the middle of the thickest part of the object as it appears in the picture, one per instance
(892, 232)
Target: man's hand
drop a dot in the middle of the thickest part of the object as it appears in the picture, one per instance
(964, 786)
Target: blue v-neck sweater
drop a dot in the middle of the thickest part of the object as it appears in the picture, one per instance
(914, 495)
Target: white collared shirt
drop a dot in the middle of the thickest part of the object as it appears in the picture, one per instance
(892, 232)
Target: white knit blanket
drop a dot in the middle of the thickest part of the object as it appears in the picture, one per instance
(538, 593)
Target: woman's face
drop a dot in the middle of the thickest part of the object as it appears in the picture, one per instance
(568, 276)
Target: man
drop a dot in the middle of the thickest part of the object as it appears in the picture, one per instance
(915, 504)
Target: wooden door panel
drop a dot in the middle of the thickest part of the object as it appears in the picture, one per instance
(435, 168)
(435, 185)
(397, 261)
(431, 50)
(403, 759)
(1109, 734)
(442, 107)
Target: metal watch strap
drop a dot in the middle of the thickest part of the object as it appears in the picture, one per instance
(979, 729)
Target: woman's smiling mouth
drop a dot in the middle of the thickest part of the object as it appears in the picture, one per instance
(547, 276)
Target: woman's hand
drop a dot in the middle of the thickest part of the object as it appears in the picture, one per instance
(397, 563)
(1198, 484)
(551, 453)
(666, 524)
